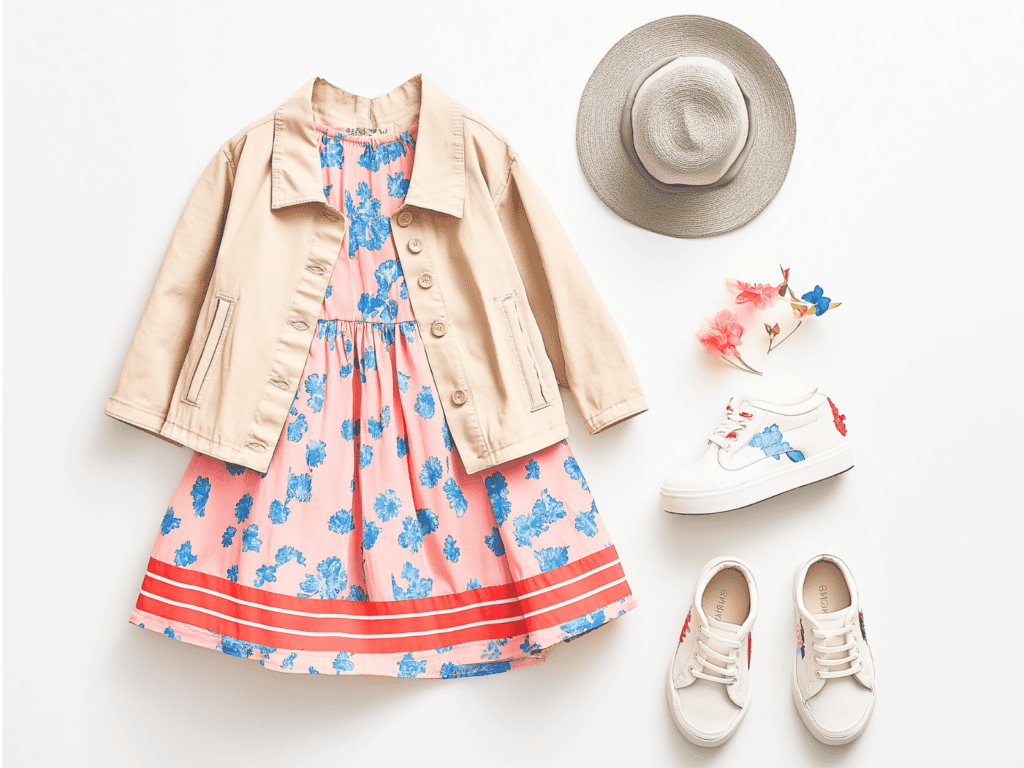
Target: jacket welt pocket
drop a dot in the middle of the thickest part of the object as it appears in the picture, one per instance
(212, 344)
(523, 351)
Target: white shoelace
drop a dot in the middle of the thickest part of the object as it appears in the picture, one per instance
(852, 657)
(726, 674)
(732, 424)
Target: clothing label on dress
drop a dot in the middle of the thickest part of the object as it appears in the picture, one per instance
(378, 131)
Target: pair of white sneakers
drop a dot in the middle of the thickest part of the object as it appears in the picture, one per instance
(833, 674)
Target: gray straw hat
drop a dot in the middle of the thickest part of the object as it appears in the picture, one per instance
(686, 127)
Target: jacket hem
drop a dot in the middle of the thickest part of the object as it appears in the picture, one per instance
(139, 418)
(613, 414)
(216, 450)
(518, 450)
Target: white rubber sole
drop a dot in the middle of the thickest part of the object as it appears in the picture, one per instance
(801, 473)
(822, 737)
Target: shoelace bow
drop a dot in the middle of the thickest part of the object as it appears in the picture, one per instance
(726, 674)
(731, 425)
(852, 657)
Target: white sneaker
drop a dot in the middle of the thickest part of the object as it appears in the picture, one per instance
(760, 450)
(709, 678)
(834, 676)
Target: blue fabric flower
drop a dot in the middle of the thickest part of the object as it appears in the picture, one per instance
(300, 487)
(528, 647)
(332, 154)
(264, 574)
(387, 505)
(286, 554)
(368, 228)
(297, 428)
(408, 667)
(586, 522)
(357, 593)
(446, 434)
(473, 584)
(350, 429)
(315, 389)
(228, 536)
(200, 495)
(583, 624)
(183, 556)
(402, 446)
(572, 468)
(551, 558)
(250, 542)
(376, 155)
(289, 660)
(497, 490)
(316, 452)
(532, 470)
(170, 522)
(278, 512)
(418, 587)
(343, 662)
(427, 520)
(234, 469)
(494, 543)
(425, 403)
(169, 631)
(403, 382)
(243, 508)
(431, 472)
(233, 573)
(398, 185)
(412, 537)
(365, 456)
(451, 552)
(328, 581)
(456, 499)
(546, 510)
(341, 521)
(370, 533)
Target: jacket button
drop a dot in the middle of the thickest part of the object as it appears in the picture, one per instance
(415, 245)
(404, 219)
(426, 280)
(459, 396)
(439, 328)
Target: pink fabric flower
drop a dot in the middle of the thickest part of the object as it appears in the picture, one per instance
(720, 334)
(761, 295)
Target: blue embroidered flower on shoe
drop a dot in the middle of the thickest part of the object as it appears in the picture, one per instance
(770, 441)
(818, 298)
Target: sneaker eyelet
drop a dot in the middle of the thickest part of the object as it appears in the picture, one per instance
(817, 673)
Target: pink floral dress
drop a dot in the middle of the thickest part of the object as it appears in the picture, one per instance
(366, 548)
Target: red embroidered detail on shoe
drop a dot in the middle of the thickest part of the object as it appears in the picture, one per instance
(745, 415)
(686, 629)
(750, 639)
(837, 419)
(728, 407)
(731, 434)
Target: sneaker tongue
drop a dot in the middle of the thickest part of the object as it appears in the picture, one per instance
(723, 628)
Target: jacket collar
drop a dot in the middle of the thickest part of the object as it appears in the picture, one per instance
(438, 180)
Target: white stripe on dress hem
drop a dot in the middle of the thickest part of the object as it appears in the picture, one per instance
(444, 631)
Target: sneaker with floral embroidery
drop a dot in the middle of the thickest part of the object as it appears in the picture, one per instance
(760, 450)
(709, 677)
(834, 673)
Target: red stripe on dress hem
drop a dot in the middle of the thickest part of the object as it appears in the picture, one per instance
(289, 642)
(382, 608)
(384, 624)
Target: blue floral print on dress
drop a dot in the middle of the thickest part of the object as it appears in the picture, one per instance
(243, 508)
(228, 536)
(494, 543)
(169, 631)
(328, 581)
(315, 389)
(368, 228)
(532, 470)
(546, 510)
(375, 155)
(297, 428)
(332, 155)
(233, 574)
(343, 662)
(200, 495)
(250, 540)
(583, 624)
(586, 521)
(497, 490)
(450, 671)
(425, 403)
(398, 185)
(770, 441)
(418, 587)
(183, 556)
(234, 469)
(370, 533)
(451, 552)
(572, 468)
(387, 505)
(341, 522)
(316, 452)
(170, 522)
(456, 499)
(552, 557)
(409, 667)
(431, 472)
(289, 660)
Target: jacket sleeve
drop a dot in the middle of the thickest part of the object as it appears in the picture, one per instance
(146, 383)
(585, 347)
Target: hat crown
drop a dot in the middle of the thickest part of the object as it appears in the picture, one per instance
(690, 121)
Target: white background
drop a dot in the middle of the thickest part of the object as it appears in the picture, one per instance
(903, 201)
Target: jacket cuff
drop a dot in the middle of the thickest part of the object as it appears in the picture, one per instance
(144, 420)
(613, 414)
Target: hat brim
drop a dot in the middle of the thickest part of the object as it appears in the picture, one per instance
(685, 211)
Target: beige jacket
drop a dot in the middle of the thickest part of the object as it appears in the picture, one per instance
(505, 309)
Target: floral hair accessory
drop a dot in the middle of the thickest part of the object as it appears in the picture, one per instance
(720, 334)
